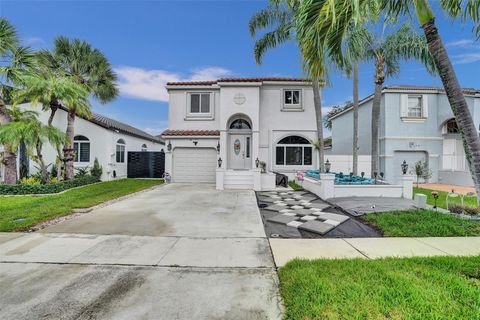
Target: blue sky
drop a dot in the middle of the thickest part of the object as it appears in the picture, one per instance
(152, 42)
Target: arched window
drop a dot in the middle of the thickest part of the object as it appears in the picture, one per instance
(293, 151)
(81, 145)
(451, 126)
(120, 154)
(240, 124)
(144, 147)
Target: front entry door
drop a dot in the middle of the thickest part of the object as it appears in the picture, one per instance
(240, 150)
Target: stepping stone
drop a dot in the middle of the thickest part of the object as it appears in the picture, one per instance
(285, 210)
(309, 218)
(291, 214)
(295, 224)
(297, 207)
(332, 222)
(275, 197)
(316, 227)
(289, 199)
(283, 194)
(293, 202)
(333, 216)
(309, 197)
(316, 205)
(316, 209)
(302, 212)
(283, 219)
(280, 202)
(298, 197)
(275, 207)
(317, 213)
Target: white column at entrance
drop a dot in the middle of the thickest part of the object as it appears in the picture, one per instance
(255, 147)
(223, 148)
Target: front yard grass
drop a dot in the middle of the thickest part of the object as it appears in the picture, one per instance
(442, 196)
(392, 288)
(32, 210)
(421, 223)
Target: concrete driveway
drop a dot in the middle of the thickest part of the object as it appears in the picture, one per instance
(175, 252)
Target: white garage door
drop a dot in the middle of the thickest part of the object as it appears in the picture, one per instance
(194, 165)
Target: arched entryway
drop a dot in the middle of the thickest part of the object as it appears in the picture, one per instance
(239, 148)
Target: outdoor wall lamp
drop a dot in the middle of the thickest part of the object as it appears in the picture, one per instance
(169, 146)
(195, 142)
(257, 162)
(218, 146)
(328, 165)
(219, 162)
(404, 166)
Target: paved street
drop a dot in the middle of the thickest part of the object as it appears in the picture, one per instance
(177, 252)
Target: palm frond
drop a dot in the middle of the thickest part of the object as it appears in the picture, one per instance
(8, 36)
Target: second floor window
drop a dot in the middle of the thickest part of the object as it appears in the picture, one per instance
(415, 106)
(199, 103)
(292, 99)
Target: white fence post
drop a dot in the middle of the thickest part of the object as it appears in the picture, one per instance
(407, 184)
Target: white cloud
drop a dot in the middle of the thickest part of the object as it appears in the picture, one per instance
(462, 43)
(150, 84)
(466, 58)
(34, 42)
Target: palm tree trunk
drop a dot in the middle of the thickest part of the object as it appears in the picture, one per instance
(317, 101)
(68, 151)
(355, 119)
(379, 78)
(456, 99)
(53, 110)
(9, 156)
(41, 163)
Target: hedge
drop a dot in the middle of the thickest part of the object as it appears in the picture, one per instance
(19, 189)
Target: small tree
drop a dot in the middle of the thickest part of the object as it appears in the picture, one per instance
(97, 170)
(422, 171)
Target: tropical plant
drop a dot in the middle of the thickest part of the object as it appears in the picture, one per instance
(14, 60)
(279, 19)
(326, 22)
(82, 172)
(25, 127)
(96, 170)
(327, 120)
(87, 67)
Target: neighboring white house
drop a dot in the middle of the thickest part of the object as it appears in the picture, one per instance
(416, 123)
(219, 129)
(99, 137)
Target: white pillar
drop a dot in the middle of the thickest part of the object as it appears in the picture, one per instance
(223, 148)
(407, 186)
(327, 182)
(256, 148)
(220, 175)
(257, 179)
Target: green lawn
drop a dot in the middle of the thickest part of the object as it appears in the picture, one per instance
(35, 209)
(442, 196)
(294, 185)
(393, 288)
(421, 223)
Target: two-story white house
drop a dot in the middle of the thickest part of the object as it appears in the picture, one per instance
(220, 131)
(416, 123)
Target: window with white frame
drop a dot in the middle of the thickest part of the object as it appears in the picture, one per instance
(144, 147)
(81, 145)
(293, 151)
(199, 104)
(120, 151)
(292, 99)
(415, 106)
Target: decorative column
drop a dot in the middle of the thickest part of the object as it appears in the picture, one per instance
(407, 186)
(255, 148)
(327, 183)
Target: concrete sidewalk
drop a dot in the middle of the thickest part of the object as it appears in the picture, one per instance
(285, 250)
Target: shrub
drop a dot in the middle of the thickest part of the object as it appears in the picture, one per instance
(473, 211)
(19, 189)
(33, 180)
(97, 170)
(82, 172)
(456, 208)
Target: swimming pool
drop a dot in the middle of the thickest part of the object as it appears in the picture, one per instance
(340, 178)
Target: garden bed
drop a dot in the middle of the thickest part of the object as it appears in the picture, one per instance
(393, 288)
(21, 213)
(29, 189)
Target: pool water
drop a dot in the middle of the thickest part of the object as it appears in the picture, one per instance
(341, 178)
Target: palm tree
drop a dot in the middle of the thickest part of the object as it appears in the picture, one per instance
(27, 129)
(13, 61)
(326, 22)
(53, 92)
(280, 18)
(87, 67)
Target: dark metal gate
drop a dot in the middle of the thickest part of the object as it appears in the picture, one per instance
(145, 164)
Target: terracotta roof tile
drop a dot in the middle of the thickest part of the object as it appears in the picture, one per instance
(191, 133)
(257, 79)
